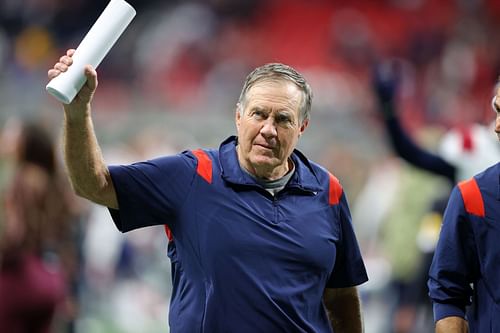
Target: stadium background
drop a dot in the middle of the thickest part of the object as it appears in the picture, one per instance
(171, 82)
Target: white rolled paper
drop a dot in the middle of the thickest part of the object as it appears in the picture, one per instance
(93, 48)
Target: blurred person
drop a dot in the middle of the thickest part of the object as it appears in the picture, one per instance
(261, 238)
(38, 256)
(462, 151)
(464, 275)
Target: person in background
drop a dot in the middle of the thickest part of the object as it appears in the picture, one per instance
(464, 275)
(261, 238)
(38, 250)
(462, 152)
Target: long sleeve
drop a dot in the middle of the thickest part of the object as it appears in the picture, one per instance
(408, 150)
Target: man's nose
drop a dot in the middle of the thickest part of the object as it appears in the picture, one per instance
(269, 128)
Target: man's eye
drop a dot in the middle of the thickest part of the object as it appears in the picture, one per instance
(258, 114)
(283, 119)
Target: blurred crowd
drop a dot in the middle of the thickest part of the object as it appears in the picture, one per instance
(171, 83)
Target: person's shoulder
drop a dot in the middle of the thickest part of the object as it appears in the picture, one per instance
(199, 150)
(325, 176)
(201, 153)
(475, 190)
(201, 159)
(485, 177)
(493, 172)
(324, 171)
(316, 169)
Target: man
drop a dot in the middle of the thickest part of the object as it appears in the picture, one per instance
(261, 237)
(463, 151)
(465, 268)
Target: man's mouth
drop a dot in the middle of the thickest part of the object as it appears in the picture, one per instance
(265, 146)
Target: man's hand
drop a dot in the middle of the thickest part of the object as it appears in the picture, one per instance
(344, 309)
(452, 325)
(82, 100)
(87, 171)
(386, 80)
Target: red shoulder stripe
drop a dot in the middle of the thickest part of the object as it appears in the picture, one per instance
(473, 200)
(335, 190)
(168, 232)
(204, 168)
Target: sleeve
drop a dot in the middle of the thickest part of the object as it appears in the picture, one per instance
(408, 150)
(349, 269)
(455, 262)
(151, 192)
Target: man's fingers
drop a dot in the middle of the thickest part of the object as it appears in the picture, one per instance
(66, 60)
(61, 67)
(86, 93)
(52, 73)
(56, 70)
(91, 75)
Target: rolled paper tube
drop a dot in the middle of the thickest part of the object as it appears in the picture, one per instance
(95, 45)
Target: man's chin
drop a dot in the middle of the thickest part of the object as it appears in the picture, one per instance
(265, 162)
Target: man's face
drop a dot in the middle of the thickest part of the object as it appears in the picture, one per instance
(269, 128)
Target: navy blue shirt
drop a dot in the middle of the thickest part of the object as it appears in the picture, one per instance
(468, 253)
(242, 259)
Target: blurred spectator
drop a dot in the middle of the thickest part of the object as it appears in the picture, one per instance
(38, 257)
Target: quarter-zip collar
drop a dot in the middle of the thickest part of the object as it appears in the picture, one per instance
(303, 178)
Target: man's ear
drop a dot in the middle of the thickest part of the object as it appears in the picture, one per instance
(237, 116)
(303, 127)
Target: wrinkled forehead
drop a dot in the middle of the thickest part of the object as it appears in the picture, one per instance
(277, 90)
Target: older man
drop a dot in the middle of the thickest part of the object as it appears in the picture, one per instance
(260, 237)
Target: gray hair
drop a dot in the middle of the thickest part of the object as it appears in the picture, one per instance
(279, 72)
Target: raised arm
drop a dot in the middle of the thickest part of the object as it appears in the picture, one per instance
(344, 309)
(385, 86)
(87, 171)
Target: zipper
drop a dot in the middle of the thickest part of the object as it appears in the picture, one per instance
(275, 210)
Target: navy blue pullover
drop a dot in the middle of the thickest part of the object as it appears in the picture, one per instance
(242, 259)
(464, 278)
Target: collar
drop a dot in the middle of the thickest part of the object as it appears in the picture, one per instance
(303, 178)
